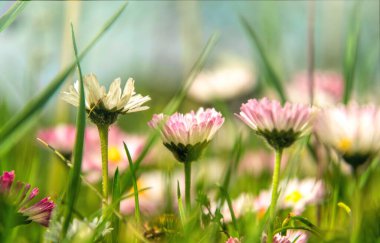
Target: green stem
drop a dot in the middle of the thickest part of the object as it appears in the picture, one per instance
(356, 212)
(103, 134)
(188, 185)
(272, 209)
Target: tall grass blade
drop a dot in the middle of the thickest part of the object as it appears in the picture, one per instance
(135, 189)
(40, 101)
(229, 203)
(74, 175)
(116, 193)
(181, 209)
(12, 13)
(351, 54)
(267, 66)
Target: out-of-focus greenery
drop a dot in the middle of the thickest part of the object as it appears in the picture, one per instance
(157, 43)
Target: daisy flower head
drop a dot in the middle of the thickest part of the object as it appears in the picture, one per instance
(15, 198)
(102, 107)
(280, 125)
(353, 131)
(186, 135)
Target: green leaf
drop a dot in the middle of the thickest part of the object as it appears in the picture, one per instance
(74, 176)
(171, 107)
(235, 158)
(181, 209)
(135, 189)
(116, 193)
(229, 203)
(41, 100)
(268, 68)
(11, 14)
(351, 54)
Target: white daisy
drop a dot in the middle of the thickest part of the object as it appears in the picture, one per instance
(104, 107)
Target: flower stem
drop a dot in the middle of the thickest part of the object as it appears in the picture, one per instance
(272, 209)
(103, 134)
(187, 185)
(356, 211)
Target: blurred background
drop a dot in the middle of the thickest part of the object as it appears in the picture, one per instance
(157, 43)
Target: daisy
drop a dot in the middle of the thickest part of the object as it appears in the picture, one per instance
(353, 131)
(185, 135)
(17, 196)
(102, 107)
(280, 125)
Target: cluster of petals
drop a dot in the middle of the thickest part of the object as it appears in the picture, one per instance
(190, 128)
(115, 100)
(269, 115)
(20, 195)
(280, 125)
(352, 130)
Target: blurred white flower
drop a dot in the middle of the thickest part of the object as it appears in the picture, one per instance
(150, 200)
(353, 131)
(223, 83)
(295, 194)
(103, 107)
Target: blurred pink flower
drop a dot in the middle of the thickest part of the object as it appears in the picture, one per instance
(186, 135)
(117, 158)
(328, 88)
(255, 162)
(280, 125)
(223, 83)
(233, 240)
(353, 131)
(62, 138)
(19, 196)
(152, 199)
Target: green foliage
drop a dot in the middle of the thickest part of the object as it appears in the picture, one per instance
(74, 176)
(12, 13)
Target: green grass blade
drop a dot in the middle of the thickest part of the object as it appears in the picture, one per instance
(40, 101)
(181, 209)
(74, 176)
(235, 158)
(171, 107)
(269, 70)
(135, 189)
(229, 203)
(11, 14)
(351, 54)
(116, 193)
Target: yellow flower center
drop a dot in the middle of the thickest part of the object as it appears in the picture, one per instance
(344, 144)
(293, 197)
(114, 155)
